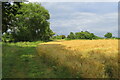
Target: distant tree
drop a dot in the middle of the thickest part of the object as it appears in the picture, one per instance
(93, 36)
(71, 36)
(59, 37)
(63, 36)
(79, 35)
(108, 35)
(82, 35)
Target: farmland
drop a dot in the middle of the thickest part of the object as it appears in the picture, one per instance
(75, 42)
(61, 59)
(82, 58)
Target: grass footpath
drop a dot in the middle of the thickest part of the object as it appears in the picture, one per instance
(20, 60)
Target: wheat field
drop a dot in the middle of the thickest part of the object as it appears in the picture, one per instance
(83, 58)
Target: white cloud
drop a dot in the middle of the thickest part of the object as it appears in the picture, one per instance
(98, 18)
(97, 23)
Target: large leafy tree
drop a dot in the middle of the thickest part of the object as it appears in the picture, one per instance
(31, 23)
(8, 11)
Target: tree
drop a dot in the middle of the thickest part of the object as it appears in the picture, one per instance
(63, 36)
(108, 35)
(59, 37)
(71, 36)
(82, 35)
(31, 23)
(8, 11)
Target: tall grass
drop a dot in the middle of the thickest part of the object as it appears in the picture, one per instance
(83, 58)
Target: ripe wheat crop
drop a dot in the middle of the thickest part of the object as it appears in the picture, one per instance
(83, 58)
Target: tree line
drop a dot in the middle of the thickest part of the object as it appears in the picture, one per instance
(83, 35)
(30, 22)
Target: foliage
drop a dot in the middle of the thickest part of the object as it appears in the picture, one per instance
(63, 36)
(71, 36)
(8, 11)
(108, 35)
(59, 37)
(6, 37)
(30, 23)
(82, 35)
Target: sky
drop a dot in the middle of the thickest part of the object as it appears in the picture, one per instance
(96, 17)
(73, 0)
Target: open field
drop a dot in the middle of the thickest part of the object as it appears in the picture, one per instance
(82, 58)
(60, 40)
(60, 59)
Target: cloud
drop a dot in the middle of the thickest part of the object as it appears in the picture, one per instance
(86, 21)
(67, 17)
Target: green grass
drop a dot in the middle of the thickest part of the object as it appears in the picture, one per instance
(20, 60)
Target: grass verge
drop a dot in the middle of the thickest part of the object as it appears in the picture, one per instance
(20, 60)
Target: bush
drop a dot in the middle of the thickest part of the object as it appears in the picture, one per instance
(59, 37)
(108, 35)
